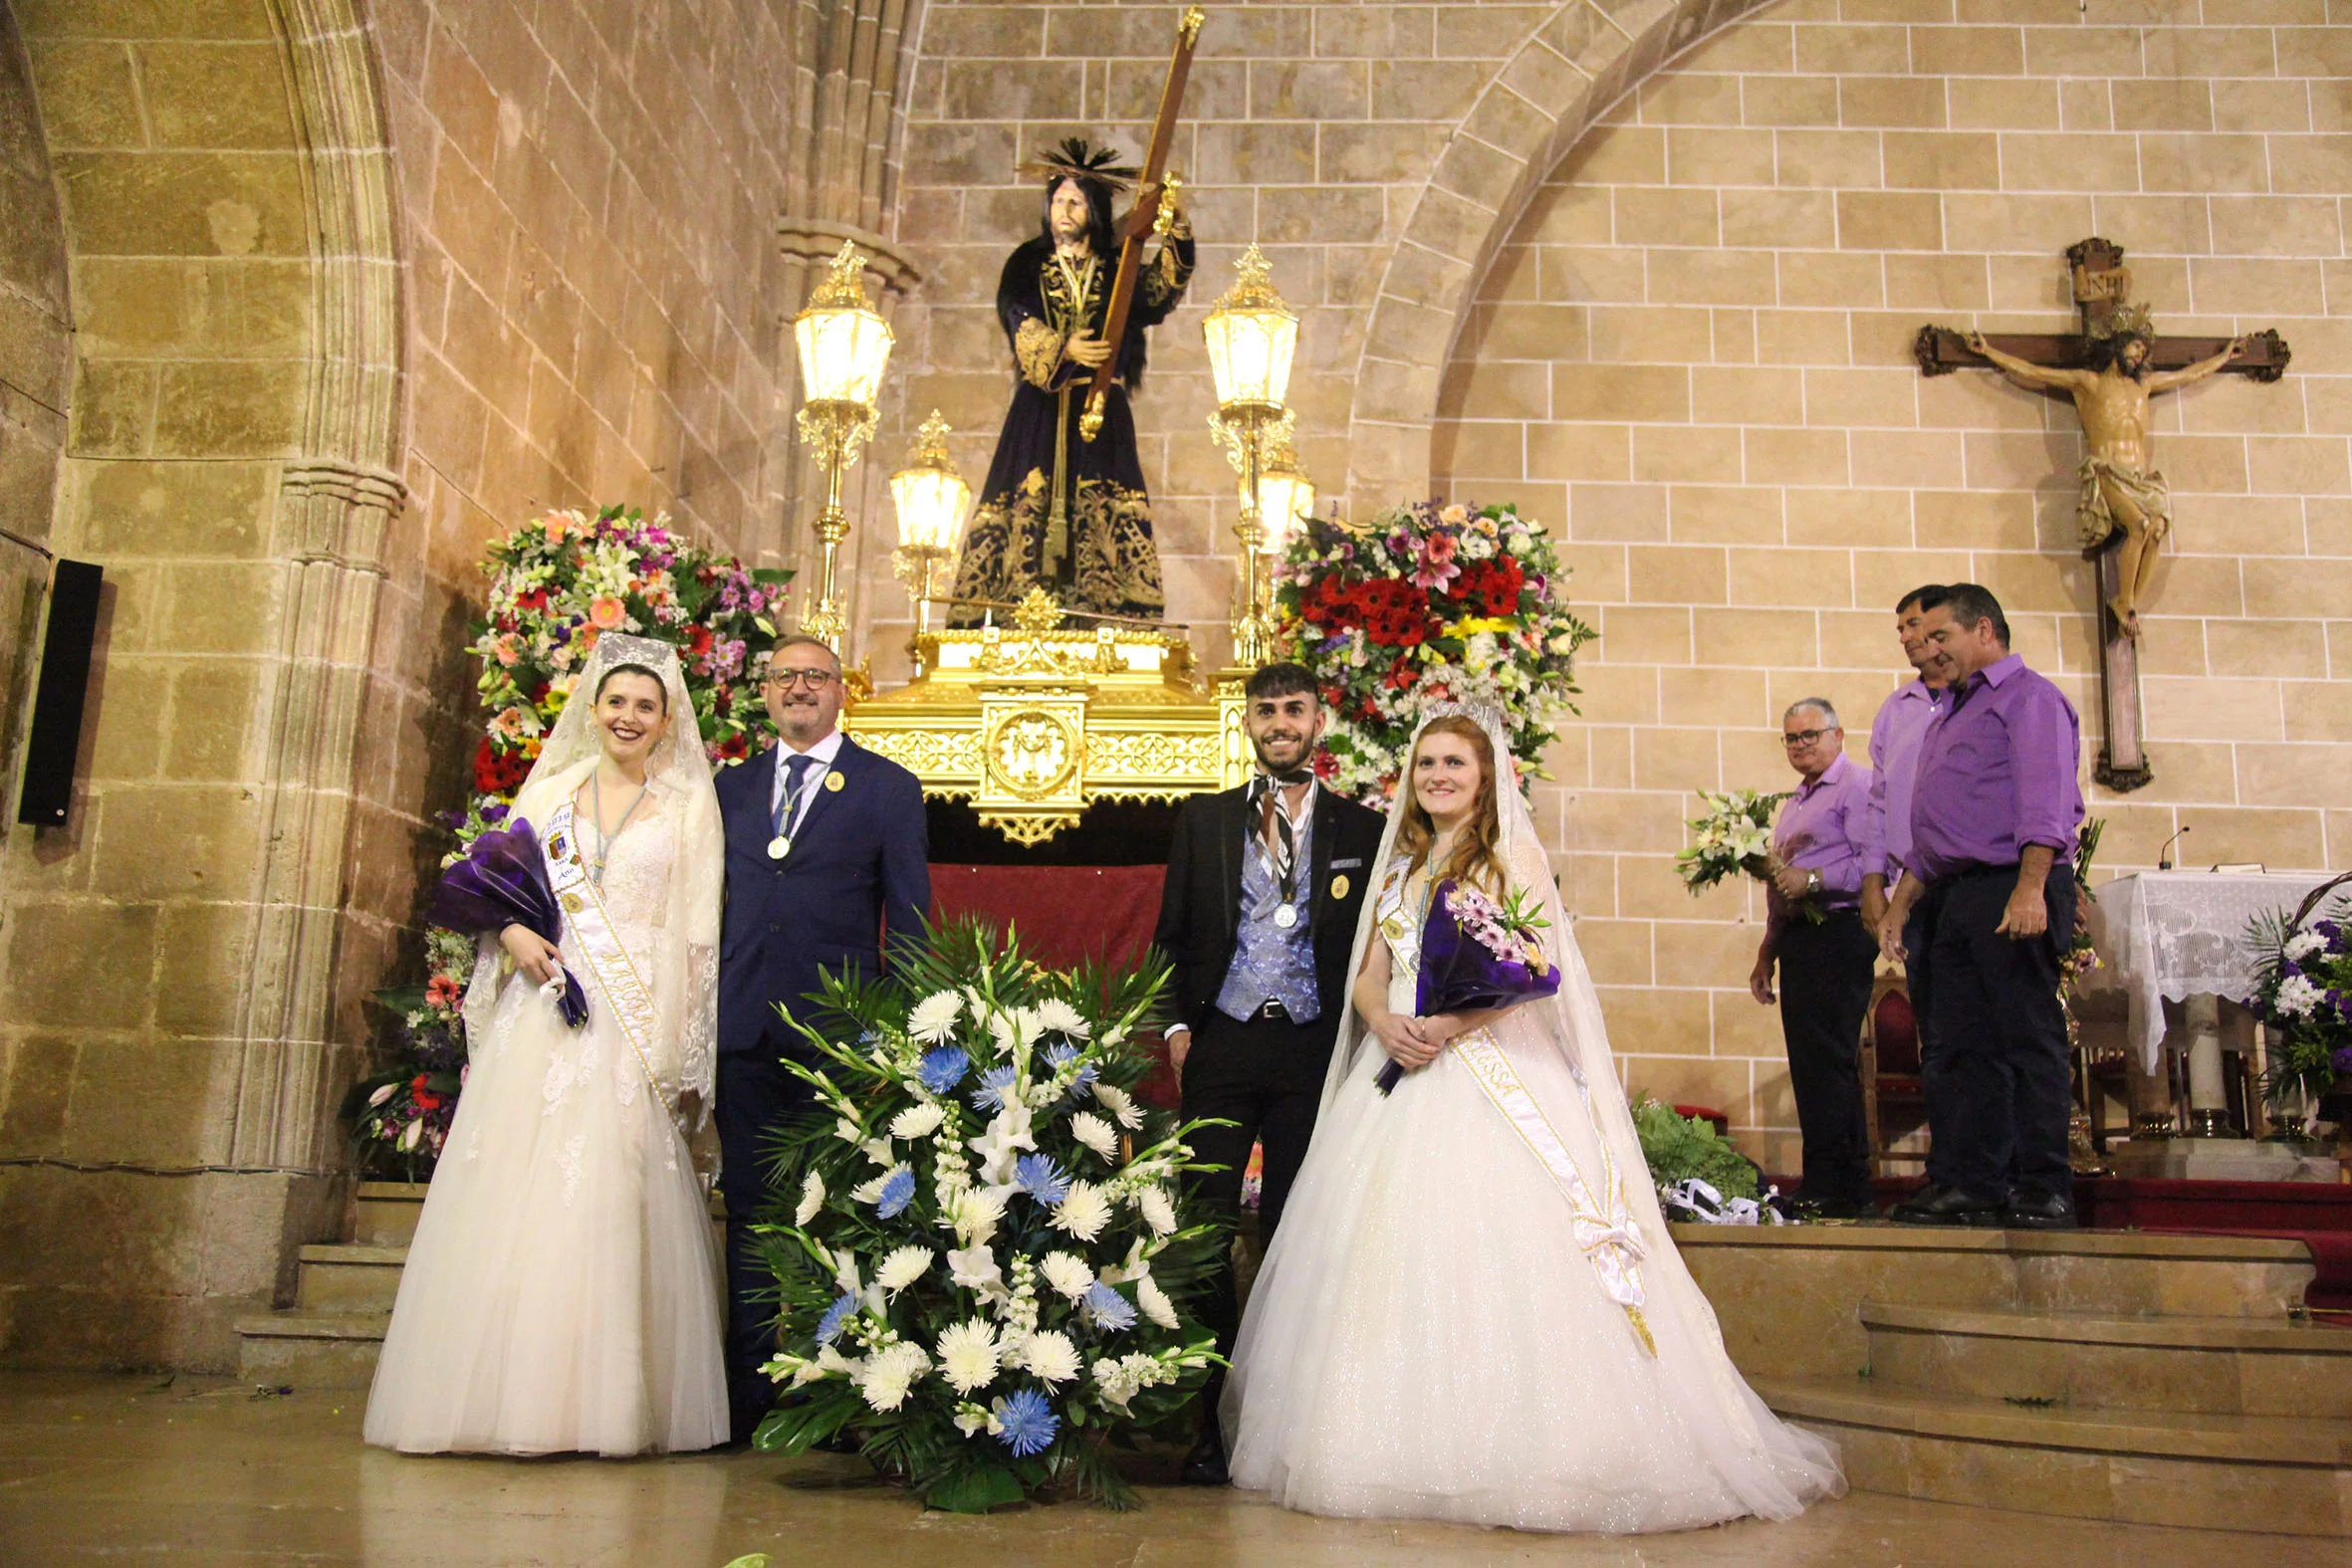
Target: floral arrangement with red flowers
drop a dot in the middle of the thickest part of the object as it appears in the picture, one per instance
(399, 1116)
(1433, 603)
(561, 581)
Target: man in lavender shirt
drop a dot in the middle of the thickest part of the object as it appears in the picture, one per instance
(1815, 932)
(1994, 817)
(1894, 758)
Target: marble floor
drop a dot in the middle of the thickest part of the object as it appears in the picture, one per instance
(97, 1468)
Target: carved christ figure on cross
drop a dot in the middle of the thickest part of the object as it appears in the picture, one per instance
(2121, 491)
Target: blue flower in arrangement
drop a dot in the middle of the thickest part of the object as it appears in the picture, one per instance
(897, 1193)
(1109, 1308)
(1037, 1176)
(828, 1328)
(944, 1068)
(1060, 1056)
(993, 1083)
(1026, 1422)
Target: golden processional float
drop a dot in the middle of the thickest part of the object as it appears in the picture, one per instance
(1028, 718)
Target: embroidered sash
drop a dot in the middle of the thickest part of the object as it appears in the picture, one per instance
(617, 977)
(1607, 1235)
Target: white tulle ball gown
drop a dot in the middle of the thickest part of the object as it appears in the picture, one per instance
(562, 1293)
(1473, 1310)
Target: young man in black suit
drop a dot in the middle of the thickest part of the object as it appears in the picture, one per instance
(1264, 883)
(826, 858)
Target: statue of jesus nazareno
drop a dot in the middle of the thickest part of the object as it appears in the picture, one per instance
(1060, 512)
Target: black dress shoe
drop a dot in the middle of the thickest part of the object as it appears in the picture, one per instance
(1205, 1465)
(1845, 1209)
(2032, 1210)
(1939, 1205)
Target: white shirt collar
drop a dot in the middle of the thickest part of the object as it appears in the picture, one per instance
(824, 751)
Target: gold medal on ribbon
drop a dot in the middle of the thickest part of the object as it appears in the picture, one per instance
(779, 848)
(1286, 917)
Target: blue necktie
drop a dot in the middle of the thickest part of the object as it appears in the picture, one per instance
(795, 770)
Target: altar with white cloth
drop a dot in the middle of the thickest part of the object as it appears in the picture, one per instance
(2184, 937)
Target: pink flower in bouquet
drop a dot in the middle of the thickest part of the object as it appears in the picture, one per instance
(1455, 514)
(509, 724)
(607, 612)
(509, 648)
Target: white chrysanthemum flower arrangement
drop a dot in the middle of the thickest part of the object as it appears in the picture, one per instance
(982, 1244)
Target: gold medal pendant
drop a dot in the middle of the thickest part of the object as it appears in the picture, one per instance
(779, 848)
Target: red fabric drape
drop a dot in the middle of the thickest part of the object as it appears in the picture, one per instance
(1064, 916)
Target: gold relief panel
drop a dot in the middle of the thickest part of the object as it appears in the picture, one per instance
(1033, 722)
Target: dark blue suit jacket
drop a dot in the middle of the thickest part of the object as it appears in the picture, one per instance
(858, 873)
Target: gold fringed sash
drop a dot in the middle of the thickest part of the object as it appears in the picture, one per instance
(625, 991)
(1609, 1238)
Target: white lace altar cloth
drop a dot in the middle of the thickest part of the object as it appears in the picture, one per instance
(2182, 934)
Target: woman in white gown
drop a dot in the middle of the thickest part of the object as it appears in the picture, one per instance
(561, 1294)
(1472, 1310)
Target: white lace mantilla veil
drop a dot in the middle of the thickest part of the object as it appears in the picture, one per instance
(685, 978)
(1777, 1470)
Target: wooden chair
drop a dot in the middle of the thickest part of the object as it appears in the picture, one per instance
(1890, 1066)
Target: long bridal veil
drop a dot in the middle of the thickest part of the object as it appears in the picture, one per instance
(1772, 1469)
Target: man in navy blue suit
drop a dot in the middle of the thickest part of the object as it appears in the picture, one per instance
(826, 860)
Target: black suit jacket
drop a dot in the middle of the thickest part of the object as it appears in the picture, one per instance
(858, 873)
(1201, 905)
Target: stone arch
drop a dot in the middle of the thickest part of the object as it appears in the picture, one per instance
(167, 958)
(1582, 58)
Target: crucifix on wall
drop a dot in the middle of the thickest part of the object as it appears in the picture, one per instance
(2123, 507)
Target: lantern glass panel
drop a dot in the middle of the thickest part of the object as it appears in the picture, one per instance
(931, 504)
(1250, 353)
(843, 353)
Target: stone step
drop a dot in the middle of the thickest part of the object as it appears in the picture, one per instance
(2211, 1365)
(349, 1277)
(388, 1213)
(2277, 1474)
(317, 1350)
(1787, 1295)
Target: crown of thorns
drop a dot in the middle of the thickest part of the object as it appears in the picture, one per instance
(1076, 159)
(2125, 321)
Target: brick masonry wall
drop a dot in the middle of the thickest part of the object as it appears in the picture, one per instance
(1693, 354)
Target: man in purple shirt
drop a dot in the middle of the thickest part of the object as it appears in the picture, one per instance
(1894, 758)
(1826, 953)
(1994, 817)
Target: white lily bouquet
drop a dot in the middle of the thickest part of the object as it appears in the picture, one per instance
(982, 1253)
(1732, 835)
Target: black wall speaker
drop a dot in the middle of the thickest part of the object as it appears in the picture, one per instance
(58, 699)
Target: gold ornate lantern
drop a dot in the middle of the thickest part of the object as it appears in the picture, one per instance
(1252, 338)
(932, 501)
(843, 345)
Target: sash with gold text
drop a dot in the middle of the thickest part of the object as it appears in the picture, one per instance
(625, 991)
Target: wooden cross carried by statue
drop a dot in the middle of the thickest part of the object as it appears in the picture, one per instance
(2123, 507)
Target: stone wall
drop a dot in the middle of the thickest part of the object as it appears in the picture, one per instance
(36, 367)
(1694, 352)
(129, 937)
(588, 196)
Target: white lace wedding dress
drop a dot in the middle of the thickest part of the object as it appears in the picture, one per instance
(561, 1294)
(1440, 1330)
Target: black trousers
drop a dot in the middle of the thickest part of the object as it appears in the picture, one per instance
(1999, 1082)
(755, 1095)
(1825, 979)
(1265, 1077)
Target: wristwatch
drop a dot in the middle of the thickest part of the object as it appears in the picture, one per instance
(1812, 883)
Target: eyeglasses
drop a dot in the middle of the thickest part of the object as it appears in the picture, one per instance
(1802, 736)
(789, 679)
